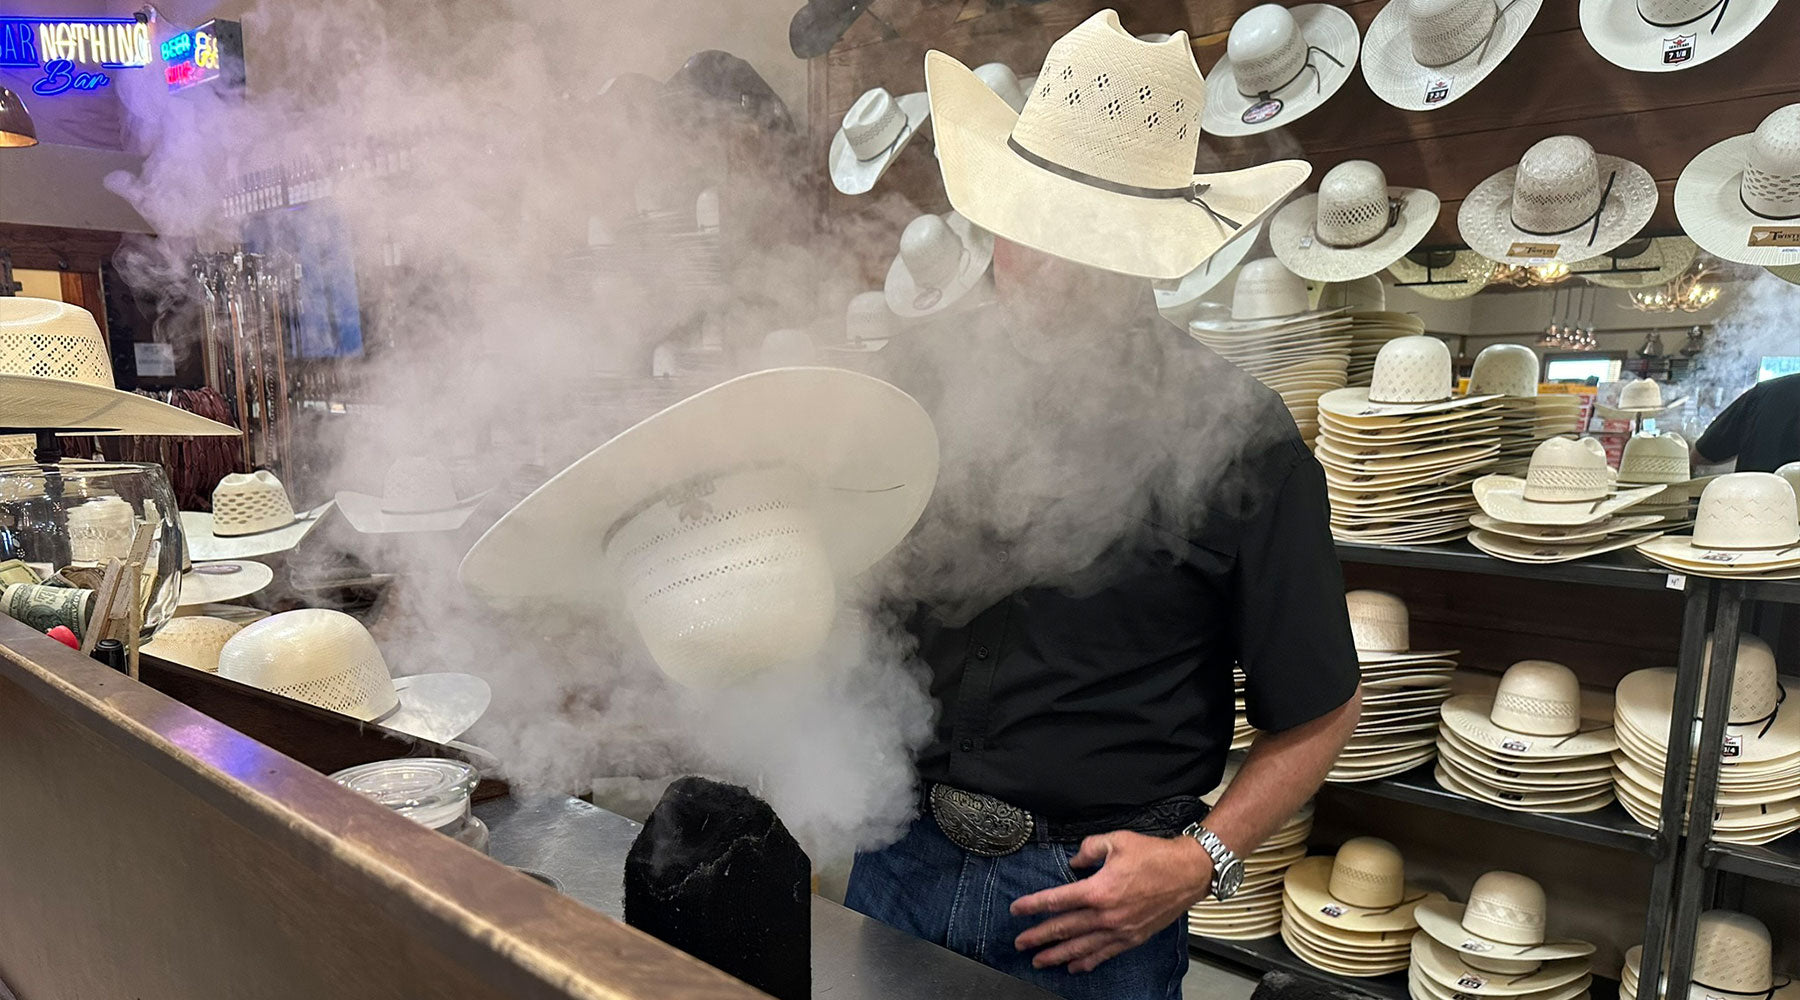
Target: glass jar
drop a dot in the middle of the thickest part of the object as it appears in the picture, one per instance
(430, 791)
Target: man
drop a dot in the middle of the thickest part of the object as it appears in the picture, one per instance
(1761, 428)
(1121, 516)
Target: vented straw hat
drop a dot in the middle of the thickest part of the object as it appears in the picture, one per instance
(1412, 376)
(1108, 138)
(1660, 36)
(941, 259)
(227, 580)
(875, 129)
(100, 529)
(1654, 458)
(1355, 226)
(192, 641)
(1733, 956)
(1362, 888)
(1279, 63)
(1535, 714)
(1639, 398)
(251, 516)
(328, 659)
(1504, 370)
(1444, 275)
(1504, 919)
(1458, 972)
(417, 494)
(1562, 201)
(1567, 483)
(1640, 263)
(1740, 199)
(56, 374)
(868, 324)
(1421, 55)
(1746, 523)
(1381, 628)
(1761, 726)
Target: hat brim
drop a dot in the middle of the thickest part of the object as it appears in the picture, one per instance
(204, 546)
(363, 511)
(1546, 553)
(1444, 965)
(1667, 257)
(28, 402)
(1711, 208)
(1402, 81)
(1681, 549)
(1645, 700)
(1004, 194)
(869, 446)
(1467, 716)
(853, 176)
(1464, 277)
(1323, 26)
(1485, 218)
(438, 707)
(1294, 237)
(1786, 272)
(1622, 37)
(208, 583)
(1503, 498)
(1628, 413)
(1562, 535)
(1307, 883)
(1175, 303)
(1355, 404)
(902, 292)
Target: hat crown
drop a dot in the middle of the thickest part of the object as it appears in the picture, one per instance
(932, 251)
(1112, 107)
(1568, 469)
(873, 123)
(1733, 953)
(866, 318)
(1266, 289)
(193, 641)
(416, 484)
(1000, 79)
(1379, 622)
(1443, 31)
(1771, 181)
(1366, 294)
(1353, 204)
(1641, 394)
(100, 529)
(1506, 907)
(1538, 697)
(1654, 458)
(1557, 186)
(1368, 872)
(1755, 680)
(246, 504)
(1791, 473)
(322, 657)
(1266, 49)
(1411, 370)
(1747, 510)
(1504, 370)
(46, 339)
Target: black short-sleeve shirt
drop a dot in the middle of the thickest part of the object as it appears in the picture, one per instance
(1761, 428)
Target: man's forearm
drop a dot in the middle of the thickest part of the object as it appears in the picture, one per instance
(1282, 771)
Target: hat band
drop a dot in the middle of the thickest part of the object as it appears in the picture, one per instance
(1190, 193)
(885, 150)
(1762, 215)
(1393, 217)
(1318, 83)
(1599, 210)
(1375, 911)
(1770, 992)
(1768, 721)
(1720, 7)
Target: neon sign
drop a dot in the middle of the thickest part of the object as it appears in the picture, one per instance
(73, 52)
(213, 51)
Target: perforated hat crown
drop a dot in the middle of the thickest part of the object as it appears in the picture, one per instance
(1003, 81)
(1354, 206)
(1771, 182)
(1378, 622)
(100, 529)
(416, 485)
(1368, 872)
(1443, 31)
(193, 641)
(1733, 953)
(1558, 186)
(1266, 289)
(1538, 697)
(1115, 108)
(932, 251)
(1266, 49)
(1791, 473)
(1641, 394)
(1566, 469)
(1654, 458)
(873, 123)
(1755, 680)
(1745, 511)
(247, 504)
(46, 339)
(1506, 907)
(322, 657)
(1411, 370)
(1504, 370)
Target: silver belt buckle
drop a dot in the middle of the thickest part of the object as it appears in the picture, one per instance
(980, 824)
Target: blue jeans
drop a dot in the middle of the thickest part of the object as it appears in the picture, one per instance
(928, 887)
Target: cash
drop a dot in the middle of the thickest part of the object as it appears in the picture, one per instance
(16, 571)
(44, 608)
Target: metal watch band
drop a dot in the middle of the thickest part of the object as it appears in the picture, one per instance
(1215, 848)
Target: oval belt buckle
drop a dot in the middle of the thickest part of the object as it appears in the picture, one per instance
(979, 824)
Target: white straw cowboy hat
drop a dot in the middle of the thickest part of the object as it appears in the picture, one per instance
(193, 641)
(1381, 628)
(1176, 299)
(1660, 36)
(941, 259)
(1000, 79)
(328, 659)
(868, 324)
(1423, 54)
(1535, 714)
(1760, 727)
(1099, 168)
(875, 129)
(1746, 522)
(227, 580)
(1279, 63)
(1444, 275)
(1641, 263)
(1568, 483)
(1654, 458)
(1561, 201)
(1791, 473)
(1736, 196)
(1503, 919)
(1733, 957)
(1412, 377)
(1453, 969)
(1505, 370)
(251, 516)
(417, 494)
(1362, 889)
(723, 524)
(1357, 225)
(1266, 289)
(1639, 398)
(1544, 552)
(56, 374)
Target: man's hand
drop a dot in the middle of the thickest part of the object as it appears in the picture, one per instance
(1143, 885)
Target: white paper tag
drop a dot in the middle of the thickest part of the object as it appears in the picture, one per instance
(1515, 744)
(1306, 241)
(1475, 944)
(1733, 748)
(1438, 90)
(1332, 910)
(1676, 581)
(1678, 50)
(1471, 981)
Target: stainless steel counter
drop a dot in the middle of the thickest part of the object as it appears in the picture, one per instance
(584, 847)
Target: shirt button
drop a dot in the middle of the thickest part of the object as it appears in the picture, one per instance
(967, 745)
(981, 652)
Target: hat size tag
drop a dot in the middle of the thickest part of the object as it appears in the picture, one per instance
(1515, 744)
(1775, 237)
(1332, 910)
(1678, 50)
(1470, 981)
(1538, 252)
(1732, 749)
(1438, 90)
(1476, 944)
(1262, 111)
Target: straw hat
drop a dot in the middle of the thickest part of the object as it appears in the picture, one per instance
(328, 659)
(1177, 299)
(941, 258)
(1746, 521)
(1639, 398)
(1279, 63)
(1423, 54)
(1759, 729)
(1791, 473)
(251, 516)
(1109, 136)
(1505, 370)
(875, 129)
(1504, 918)
(1265, 290)
(192, 641)
(1735, 194)
(868, 324)
(1786, 272)
(1000, 79)
(1544, 553)
(56, 374)
(1454, 969)
(1733, 955)
(1654, 458)
(1535, 714)
(1381, 628)
(1562, 201)
(1567, 483)
(216, 582)
(1660, 36)
(417, 494)
(1364, 294)
(1360, 890)
(1354, 227)
(1412, 376)
(1640, 263)
(1444, 275)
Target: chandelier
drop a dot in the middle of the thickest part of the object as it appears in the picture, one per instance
(1565, 330)
(1689, 291)
(1531, 275)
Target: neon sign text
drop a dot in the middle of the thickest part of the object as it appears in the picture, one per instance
(73, 52)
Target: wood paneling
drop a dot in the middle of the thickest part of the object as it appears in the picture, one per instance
(51, 248)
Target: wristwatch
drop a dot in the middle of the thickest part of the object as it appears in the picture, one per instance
(1228, 870)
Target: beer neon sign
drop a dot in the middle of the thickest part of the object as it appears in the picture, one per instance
(73, 52)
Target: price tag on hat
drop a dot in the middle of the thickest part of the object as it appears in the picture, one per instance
(1438, 90)
(1678, 50)
(1332, 910)
(1733, 748)
(1471, 981)
(1476, 944)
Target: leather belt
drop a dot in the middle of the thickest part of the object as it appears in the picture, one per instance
(989, 827)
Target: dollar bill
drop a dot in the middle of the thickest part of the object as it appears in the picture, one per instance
(16, 571)
(44, 608)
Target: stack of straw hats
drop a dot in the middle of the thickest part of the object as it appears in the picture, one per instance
(1403, 690)
(1275, 336)
(1734, 956)
(1747, 527)
(1494, 946)
(1759, 777)
(1628, 973)
(1510, 371)
(1661, 460)
(1566, 507)
(193, 641)
(1255, 912)
(1242, 732)
(1352, 914)
(1529, 747)
(1400, 454)
(1372, 325)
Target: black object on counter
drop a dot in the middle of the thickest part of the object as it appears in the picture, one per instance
(715, 873)
(112, 653)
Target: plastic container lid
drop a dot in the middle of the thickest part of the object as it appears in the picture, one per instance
(433, 791)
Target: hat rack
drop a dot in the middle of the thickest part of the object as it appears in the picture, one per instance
(249, 303)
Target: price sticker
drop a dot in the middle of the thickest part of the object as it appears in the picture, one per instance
(1675, 581)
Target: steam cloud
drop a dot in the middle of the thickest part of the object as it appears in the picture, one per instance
(1759, 324)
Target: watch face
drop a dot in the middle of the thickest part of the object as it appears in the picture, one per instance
(1230, 879)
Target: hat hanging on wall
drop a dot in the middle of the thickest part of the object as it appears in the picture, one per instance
(1640, 263)
(1279, 63)
(875, 129)
(1661, 36)
(1178, 299)
(1420, 55)
(1109, 136)
(868, 324)
(941, 259)
(1561, 201)
(1445, 275)
(1354, 227)
(1740, 199)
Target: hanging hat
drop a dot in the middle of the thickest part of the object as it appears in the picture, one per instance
(1109, 136)
(787, 348)
(1000, 79)
(1761, 725)
(417, 494)
(251, 516)
(868, 324)
(1746, 523)
(192, 641)
(1280, 63)
(1660, 36)
(1503, 919)
(1444, 275)
(875, 129)
(1361, 889)
(1355, 226)
(1562, 201)
(218, 582)
(1412, 376)
(328, 659)
(1535, 714)
(940, 260)
(747, 501)
(1733, 957)
(1740, 199)
(1640, 263)
(1509, 370)
(1176, 299)
(1567, 483)
(1639, 398)
(1423, 54)
(1457, 971)
(56, 374)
